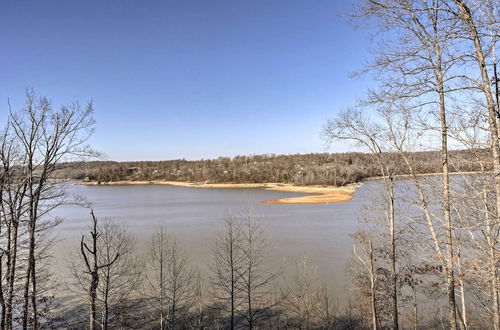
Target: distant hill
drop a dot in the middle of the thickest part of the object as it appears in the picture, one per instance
(301, 169)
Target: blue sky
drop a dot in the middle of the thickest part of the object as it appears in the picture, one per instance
(188, 79)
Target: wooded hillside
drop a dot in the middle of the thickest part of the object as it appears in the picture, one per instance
(310, 169)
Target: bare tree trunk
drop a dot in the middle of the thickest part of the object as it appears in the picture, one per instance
(157, 274)
(31, 233)
(450, 278)
(199, 300)
(2, 295)
(30, 279)
(462, 290)
(94, 273)
(390, 190)
(162, 285)
(93, 268)
(232, 263)
(11, 267)
(173, 306)
(494, 285)
(372, 289)
(106, 302)
(33, 278)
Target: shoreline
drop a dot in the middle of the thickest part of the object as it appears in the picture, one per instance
(406, 176)
(317, 194)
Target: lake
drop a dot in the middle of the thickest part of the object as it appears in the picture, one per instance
(195, 215)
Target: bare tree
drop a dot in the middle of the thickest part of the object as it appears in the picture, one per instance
(367, 260)
(199, 301)
(13, 189)
(36, 142)
(170, 280)
(156, 274)
(226, 267)
(90, 256)
(301, 299)
(354, 126)
(421, 63)
(122, 277)
(326, 311)
(472, 24)
(255, 274)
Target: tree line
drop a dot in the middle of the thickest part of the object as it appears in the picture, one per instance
(337, 169)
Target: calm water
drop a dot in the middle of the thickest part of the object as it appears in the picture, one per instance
(195, 215)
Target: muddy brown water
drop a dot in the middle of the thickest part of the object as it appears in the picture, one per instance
(195, 215)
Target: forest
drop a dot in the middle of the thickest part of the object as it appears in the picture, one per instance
(426, 257)
(335, 169)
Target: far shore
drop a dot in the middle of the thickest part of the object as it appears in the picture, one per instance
(318, 194)
(407, 176)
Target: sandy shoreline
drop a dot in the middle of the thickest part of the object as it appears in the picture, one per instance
(319, 194)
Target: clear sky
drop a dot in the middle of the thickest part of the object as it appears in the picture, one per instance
(188, 79)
